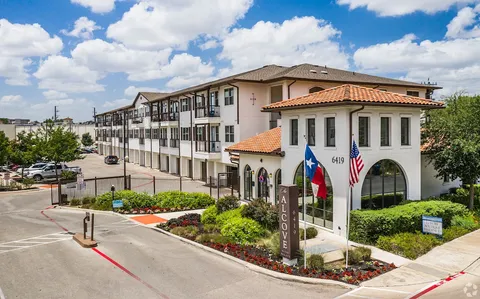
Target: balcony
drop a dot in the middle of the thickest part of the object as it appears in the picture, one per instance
(175, 143)
(120, 139)
(107, 123)
(173, 116)
(208, 146)
(141, 140)
(155, 116)
(163, 142)
(212, 111)
(137, 120)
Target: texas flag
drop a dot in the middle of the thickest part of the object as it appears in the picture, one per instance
(315, 174)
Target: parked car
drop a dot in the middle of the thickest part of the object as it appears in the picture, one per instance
(111, 159)
(48, 171)
(35, 166)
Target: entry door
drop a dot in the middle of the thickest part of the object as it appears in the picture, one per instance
(168, 163)
(178, 166)
(232, 179)
(190, 169)
(204, 171)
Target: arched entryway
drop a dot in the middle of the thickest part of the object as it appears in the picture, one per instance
(319, 211)
(278, 182)
(247, 183)
(262, 183)
(315, 89)
(384, 185)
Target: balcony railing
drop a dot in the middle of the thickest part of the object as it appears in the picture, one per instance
(173, 116)
(138, 120)
(212, 111)
(107, 124)
(163, 142)
(141, 140)
(155, 116)
(175, 143)
(208, 146)
(120, 139)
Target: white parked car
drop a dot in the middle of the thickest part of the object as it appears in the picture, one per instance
(35, 166)
(48, 171)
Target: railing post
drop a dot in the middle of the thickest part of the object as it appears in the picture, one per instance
(218, 186)
(210, 185)
(96, 187)
(154, 185)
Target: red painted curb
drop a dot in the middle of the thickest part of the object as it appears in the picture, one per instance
(52, 220)
(130, 273)
(435, 285)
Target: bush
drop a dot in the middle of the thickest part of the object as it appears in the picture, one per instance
(467, 222)
(409, 245)
(88, 200)
(227, 203)
(454, 232)
(379, 201)
(354, 256)
(242, 230)
(364, 252)
(224, 217)
(263, 212)
(181, 200)
(186, 232)
(28, 182)
(213, 238)
(272, 244)
(75, 202)
(311, 233)
(210, 228)
(366, 226)
(315, 261)
(209, 216)
(68, 175)
(131, 199)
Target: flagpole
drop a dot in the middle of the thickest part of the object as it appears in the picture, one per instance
(305, 208)
(348, 225)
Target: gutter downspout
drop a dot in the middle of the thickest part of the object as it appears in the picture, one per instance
(193, 135)
(350, 142)
(238, 102)
(151, 143)
(289, 87)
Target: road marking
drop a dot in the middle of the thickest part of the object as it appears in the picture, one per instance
(386, 290)
(52, 220)
(434, 285)
(351, 293)
(32, 242)
(2, 296)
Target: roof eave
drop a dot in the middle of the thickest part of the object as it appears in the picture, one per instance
(348, 103)
(275, 153)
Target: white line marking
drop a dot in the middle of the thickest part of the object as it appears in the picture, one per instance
(64, 234)
(15, 249)
(386, 290)
(28, 242)
(2, 296)
(358, 296)
(13, 246)
(349, 293)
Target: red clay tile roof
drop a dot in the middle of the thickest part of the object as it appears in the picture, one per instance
(348, 93)
(268, 142)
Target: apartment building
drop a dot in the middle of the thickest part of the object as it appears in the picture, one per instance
(186, 132)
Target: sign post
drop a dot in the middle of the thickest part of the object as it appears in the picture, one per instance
(289, 224)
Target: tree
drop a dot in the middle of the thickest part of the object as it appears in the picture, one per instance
(24, 150)
(452, 140)
(4, 121)
(4, 148)
(58, 144)
(87, 139)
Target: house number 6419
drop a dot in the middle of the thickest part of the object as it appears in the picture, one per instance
(338, 160)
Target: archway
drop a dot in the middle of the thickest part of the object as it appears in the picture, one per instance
(262, 183)
(278, 182)
(315, 89)
(384, 185)
(247, 182)
(319, 211)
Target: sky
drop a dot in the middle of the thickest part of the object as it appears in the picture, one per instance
(81, 54)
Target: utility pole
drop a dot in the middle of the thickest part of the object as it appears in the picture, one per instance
(94, 113)
(55, 115)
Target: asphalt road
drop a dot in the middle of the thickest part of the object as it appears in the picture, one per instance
(39, 259)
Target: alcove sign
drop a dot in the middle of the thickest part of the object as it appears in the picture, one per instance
(289, 225)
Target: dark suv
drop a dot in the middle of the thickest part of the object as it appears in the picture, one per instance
(111, 160)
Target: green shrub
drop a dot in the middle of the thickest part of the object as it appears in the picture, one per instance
(75, 202)
(271, 243)
(366, 226)
(227, 203)
(186, 232)
(213, 238)
(87, 200)
(454, 232)
(68, 175)
(242, 230)
(315, 261)
(409, 245)
(181, 200)
(131, 199)
(224, 217)
(210, 228)
(263, 212)
(209, 216)
(354, 256)
(365, 253)
(311, 233)
(27, 182)
(467, 222)
(379, 202)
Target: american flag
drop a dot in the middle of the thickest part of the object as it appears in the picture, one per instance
(356, 164)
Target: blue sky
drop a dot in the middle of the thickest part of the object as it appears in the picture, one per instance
(80, 54)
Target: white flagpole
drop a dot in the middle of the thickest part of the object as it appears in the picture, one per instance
(305, 209)
(348, 225)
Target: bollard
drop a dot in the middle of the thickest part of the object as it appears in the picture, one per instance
(87, 218)
(93, 223)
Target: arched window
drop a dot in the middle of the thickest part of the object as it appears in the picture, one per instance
(318, 210)
(278, 182)
(315, 89)
(262, 183)
(384, 185)
(247, 183)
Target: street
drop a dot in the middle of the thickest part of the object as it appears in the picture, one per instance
(39, 259)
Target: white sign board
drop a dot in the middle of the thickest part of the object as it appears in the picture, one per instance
(432, 225)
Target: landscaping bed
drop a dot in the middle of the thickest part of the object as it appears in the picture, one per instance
(250, 233)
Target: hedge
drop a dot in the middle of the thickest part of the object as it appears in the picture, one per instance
(389, 199)
(366, 226)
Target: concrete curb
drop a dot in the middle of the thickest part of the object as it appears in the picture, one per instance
(23, 191)
(258, 269)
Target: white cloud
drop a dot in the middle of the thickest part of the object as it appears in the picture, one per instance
(186, 70)
(466, 17)
(210, 44)
(295, 41)
(54, 95)
(11, 100)
(97, 6)
(117, 103)
(386, 8)
(14, 70)
(132, 91)
(159, 24)
(101, 56)
(64, 74)
(83, 28)
(67, 108)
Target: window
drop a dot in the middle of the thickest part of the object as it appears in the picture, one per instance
(173, 133)
(330, 131)
(130, 133)
(155, 133)
(228, 96)
(315, 89)
(147, 133)
(229, 134)
(186, 134)
(363, 131)
(185, 105)
(294, 132)
(311, 131)
(405, 131)
(413, 93)
(135, 133)
(384, 131)
(163, 133)
(214, 99)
